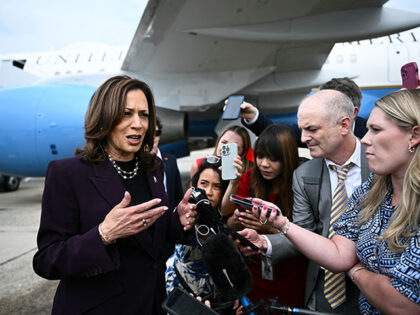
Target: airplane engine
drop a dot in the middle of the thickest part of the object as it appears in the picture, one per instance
(175, 125)
(41, 123)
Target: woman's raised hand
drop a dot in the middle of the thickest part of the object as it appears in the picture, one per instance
(186, 211)
(237, 162)
(123, 221)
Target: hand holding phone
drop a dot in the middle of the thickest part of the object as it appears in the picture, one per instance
(233, 107)
(180, 302)
(248, 205)
(229, 153)
(410, 76)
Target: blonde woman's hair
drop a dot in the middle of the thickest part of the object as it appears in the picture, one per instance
(403, 108)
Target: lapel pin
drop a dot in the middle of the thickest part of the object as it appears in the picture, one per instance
(154, 178)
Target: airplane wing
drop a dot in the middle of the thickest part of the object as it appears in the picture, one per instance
(195, 53)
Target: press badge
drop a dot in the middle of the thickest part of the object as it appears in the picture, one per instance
(267, 269)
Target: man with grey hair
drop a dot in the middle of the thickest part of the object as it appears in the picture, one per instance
(351, 89)
(325, 119)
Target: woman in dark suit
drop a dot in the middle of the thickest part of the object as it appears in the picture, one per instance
(104, 214)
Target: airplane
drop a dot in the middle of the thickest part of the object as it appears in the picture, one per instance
(194, 54)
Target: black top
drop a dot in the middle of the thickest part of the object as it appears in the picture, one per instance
(138, 187)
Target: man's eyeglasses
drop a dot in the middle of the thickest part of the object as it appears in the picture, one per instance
(158, 132)
(212, 159)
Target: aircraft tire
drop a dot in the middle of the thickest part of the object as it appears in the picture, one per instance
(11, 183)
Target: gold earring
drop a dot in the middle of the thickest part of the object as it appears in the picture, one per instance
(411, 149)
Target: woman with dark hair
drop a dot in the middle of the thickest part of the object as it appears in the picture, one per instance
(104, 218)
(276, 157)
(187, 260)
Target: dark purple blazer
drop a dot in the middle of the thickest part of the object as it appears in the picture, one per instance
(126, 277)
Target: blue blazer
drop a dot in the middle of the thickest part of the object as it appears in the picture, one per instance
(127, 276)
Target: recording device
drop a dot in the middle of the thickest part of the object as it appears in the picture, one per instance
(229, 153)
(208, 216)
(410, 76)
(245, 203)
(180, 302)
(221, 256)
(227, 268)
(233, 107)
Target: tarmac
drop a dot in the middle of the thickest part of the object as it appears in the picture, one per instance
(21, 290)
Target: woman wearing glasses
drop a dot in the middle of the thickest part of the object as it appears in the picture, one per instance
(187, 260)
(276, 157)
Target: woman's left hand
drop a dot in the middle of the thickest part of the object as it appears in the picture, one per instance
(187, 211)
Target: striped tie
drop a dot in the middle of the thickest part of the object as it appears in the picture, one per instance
(334, 283)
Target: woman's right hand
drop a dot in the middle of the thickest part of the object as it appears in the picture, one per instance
(275, 219)
(123, 221)
(239, 165)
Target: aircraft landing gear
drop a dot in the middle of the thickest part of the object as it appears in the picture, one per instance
(9, 183)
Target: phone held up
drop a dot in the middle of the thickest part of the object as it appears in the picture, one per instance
(410, 76)
(233, 107)
(229, 153)
(246, 203)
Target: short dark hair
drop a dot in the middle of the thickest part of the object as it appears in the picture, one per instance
(346, 86)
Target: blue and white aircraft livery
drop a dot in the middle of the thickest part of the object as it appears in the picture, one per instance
(194, 54)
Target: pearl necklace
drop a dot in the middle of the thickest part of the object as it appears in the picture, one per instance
(124, 174)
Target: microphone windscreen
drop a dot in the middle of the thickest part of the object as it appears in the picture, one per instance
(227, 268)
(207, 214)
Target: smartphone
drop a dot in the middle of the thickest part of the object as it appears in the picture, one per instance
(410, 76)
(229, 153)
(180, 302)
(247, 204)
(233, 107)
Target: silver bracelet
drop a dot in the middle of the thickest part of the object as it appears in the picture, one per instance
(286, 228)
(354, 271)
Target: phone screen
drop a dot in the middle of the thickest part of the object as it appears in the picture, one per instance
(244, 202)
(180, 302)
(241, 201)
(233, 107)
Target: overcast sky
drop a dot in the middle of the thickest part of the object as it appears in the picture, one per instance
(38, 25)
